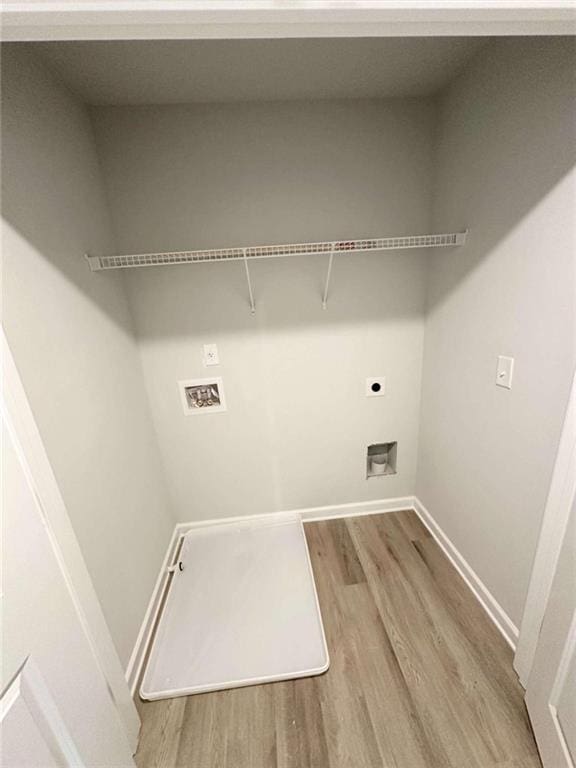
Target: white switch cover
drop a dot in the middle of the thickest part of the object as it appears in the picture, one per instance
(504, 372)
(376, 386)
(211, 355)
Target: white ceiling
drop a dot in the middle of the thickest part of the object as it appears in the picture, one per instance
(180, 71)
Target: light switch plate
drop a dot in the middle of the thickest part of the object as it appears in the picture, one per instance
(376, 386)
(210, 355)
(504, 372)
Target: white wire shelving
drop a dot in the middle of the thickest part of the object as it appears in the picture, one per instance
(331, 248)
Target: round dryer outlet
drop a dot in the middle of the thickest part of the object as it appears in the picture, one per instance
(376, 386)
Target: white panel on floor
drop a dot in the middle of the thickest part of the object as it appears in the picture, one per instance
(243, 611)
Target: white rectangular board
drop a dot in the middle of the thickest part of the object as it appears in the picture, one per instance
(242, 611)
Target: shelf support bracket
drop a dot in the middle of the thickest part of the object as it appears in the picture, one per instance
(328, 275)
(93, 262)
(250, 292)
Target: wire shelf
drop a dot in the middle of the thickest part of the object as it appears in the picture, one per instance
(128, 261)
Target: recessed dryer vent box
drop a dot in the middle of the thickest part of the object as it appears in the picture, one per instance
(381, 459)
(202, 396)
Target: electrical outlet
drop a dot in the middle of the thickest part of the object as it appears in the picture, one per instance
(376, 386)
(210, 355)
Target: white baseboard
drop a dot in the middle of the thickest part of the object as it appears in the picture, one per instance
(486, 599)
(314, 514)
(136, 661)
(357, 509)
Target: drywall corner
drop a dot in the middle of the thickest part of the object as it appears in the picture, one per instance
(71, 336)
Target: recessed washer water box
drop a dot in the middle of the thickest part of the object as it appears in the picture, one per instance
(200, 396)
(242, 609)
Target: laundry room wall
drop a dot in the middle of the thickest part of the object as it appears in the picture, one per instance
(298, 421)
(70, 333)
(505, 169)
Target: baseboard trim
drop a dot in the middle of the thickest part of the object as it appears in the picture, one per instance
(312, 514)
(315, 514)
(138, 656)
(357, 509)
(486, 599)
(183, 528)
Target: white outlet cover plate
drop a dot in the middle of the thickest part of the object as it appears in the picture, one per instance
(210, 355)
(504, 372)
(376, 381)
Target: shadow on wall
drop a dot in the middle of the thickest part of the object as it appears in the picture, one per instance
(490, 191)
(498, 157)
(71, 337)
(208, 299)
(52, 190)
(29, 244)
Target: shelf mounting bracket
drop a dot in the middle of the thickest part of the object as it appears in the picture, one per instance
(250, 292)
(328, 275)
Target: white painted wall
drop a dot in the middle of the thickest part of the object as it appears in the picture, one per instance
(71, 336)
(505, 169)
(298, 423)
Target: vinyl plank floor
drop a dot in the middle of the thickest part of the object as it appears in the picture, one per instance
(419, 676)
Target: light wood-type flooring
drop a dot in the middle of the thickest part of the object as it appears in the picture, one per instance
(419, 676)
